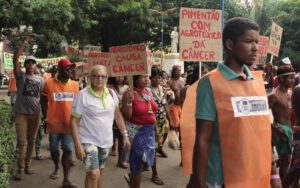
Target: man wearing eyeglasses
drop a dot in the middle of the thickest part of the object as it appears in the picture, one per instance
(56, 100)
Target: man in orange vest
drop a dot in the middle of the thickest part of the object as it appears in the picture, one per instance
(233, 132)
(56, 100)
(280, 103)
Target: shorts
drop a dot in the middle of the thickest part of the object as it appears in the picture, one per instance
(296, 146)
(283, 147)
(95, 156)
(175, 113)
(65, 140)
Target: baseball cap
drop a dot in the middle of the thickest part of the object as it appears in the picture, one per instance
(66, 63)
(30, 58)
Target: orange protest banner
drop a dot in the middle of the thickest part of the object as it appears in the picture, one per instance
(262, 50)
(129, 60)
(275, 39)
(99, 59)
(200, 34)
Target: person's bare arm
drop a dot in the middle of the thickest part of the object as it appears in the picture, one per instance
(80, 154)
(121, 125)
(17, 65)
(275, 183)
(204, 130)
(127, 104)
(44, 105)
(271, 100)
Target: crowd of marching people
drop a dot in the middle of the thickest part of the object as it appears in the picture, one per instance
(225, 114)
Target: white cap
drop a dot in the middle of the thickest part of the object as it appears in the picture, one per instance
(286, 61)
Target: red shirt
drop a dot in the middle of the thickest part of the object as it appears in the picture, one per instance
(140, 115)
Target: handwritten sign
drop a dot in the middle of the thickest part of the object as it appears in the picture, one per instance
(200, 34)
(99, 59)
(275, 39)
(90, 49)
(129, 60)
(262, 50)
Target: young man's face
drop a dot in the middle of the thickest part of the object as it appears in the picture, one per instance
(288, 81)
(30, 66)
(245, 48)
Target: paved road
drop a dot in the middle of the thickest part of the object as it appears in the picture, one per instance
(168, 168)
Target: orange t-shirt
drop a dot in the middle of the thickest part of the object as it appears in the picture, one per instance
(47, 76)
(60, 99)
(12, 87)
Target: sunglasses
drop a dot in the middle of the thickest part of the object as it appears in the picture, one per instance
(68, 69)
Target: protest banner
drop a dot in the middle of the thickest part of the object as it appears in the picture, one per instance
(200, 34)
(90, 49)
(99, 59)
(129, 60)
(262, 50)
(8, 60)
(275, 39)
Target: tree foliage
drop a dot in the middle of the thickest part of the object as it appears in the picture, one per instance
(263, 11)
(289, 18)
(102, 22)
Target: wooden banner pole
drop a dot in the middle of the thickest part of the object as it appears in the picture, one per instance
(271, 60)
(130, 80)
(200, 69)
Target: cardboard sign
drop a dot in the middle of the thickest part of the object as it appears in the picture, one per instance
(200, 34)
(129, 60)
(90, 49)
(99, 59)
(8, 60)
(262, 50)
(156, 59)
(275, 39)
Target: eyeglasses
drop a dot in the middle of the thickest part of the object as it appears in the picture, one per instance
(99, 76)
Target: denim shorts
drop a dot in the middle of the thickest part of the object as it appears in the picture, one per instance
(65, 140)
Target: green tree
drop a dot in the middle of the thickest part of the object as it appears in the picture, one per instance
(48, 18)
(289, 19)
(263, 11)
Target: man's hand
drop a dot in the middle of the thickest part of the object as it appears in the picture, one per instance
(29, 38)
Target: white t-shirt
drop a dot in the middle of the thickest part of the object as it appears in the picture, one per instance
(96, 116)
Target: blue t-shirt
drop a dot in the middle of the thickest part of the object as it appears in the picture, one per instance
(206, 110)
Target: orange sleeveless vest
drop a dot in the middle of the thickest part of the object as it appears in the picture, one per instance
(60, 100)
(188, 129)
(245, 131)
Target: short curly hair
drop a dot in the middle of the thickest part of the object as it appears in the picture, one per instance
(236, 27)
